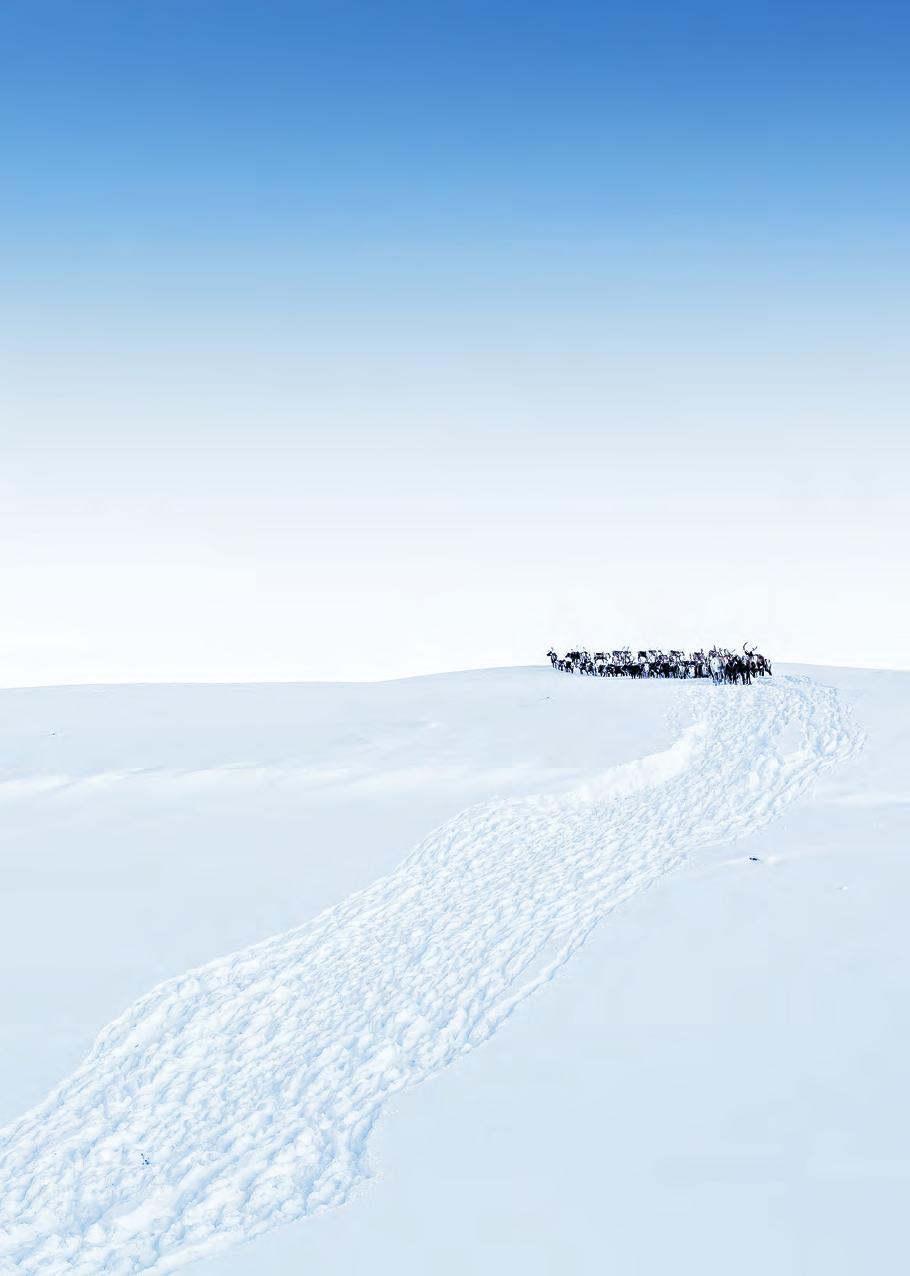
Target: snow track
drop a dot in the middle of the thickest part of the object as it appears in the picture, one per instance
(241, 1095)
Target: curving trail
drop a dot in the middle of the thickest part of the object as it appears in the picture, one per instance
(241, 1095)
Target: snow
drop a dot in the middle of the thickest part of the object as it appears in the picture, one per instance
(704, 1060)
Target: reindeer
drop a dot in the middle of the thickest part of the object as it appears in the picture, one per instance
(719, 664)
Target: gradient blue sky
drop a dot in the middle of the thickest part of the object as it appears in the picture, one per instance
(370, 339)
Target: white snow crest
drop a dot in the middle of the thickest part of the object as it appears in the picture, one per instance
(241, 1095)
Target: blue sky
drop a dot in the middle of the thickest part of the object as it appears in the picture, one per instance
(468, 327)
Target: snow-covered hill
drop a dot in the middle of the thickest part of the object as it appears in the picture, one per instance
(150, 830)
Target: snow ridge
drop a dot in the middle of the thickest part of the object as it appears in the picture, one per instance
(241, 1095)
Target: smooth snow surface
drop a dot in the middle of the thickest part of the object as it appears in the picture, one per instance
(242, 1094)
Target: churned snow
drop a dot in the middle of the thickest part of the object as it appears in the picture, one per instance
(239, 1096)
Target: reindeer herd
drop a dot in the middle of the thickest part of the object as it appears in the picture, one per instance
(719, 664)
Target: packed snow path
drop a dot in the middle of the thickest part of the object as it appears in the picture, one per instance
(241, 1095)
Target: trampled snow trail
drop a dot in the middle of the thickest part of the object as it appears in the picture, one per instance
(241, 1095)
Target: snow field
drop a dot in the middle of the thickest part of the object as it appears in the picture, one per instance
(242, 1094)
